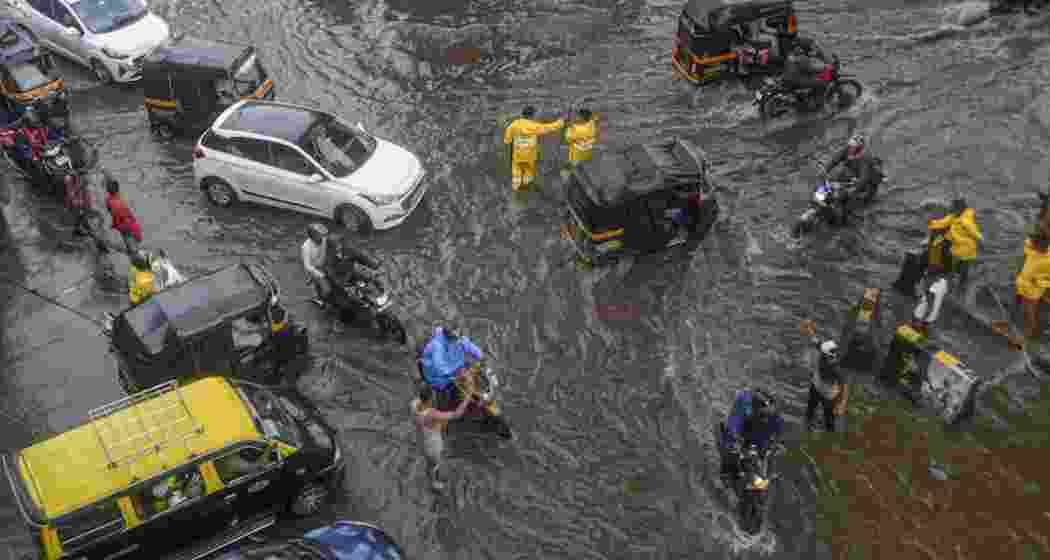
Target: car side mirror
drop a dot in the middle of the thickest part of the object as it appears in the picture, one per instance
(316, 178)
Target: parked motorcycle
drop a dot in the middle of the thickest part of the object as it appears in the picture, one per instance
(359, 300)
(482, 415)
(776, 98)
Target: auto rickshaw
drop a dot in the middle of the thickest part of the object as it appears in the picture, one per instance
(629, 203)
(188, 82)
(717, 38)
(219, 324)
(27, 76)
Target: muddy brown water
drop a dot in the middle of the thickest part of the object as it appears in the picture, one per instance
(614, 455)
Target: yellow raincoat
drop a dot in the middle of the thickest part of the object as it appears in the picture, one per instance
(140, 285)
(581, 137)
(1034, 278)
(523, 134)
(963, 232)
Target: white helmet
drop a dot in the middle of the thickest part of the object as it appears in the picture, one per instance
(829, 350)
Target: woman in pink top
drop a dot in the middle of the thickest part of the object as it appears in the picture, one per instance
(432, 423)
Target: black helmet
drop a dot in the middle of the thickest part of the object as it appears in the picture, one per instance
(451, 332)
(528, 112)
(763, 403)
(958, 205)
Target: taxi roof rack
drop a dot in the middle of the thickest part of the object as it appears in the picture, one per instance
(146, 429)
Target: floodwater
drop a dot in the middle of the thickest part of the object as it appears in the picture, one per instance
(614, 455)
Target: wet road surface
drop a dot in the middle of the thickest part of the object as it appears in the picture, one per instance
(614, 456)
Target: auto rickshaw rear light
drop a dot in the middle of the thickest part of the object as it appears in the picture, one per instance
(792, 24)
(198, 152)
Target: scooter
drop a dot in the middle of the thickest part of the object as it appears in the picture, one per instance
(776, 98)
(363, 300)
(483, 414)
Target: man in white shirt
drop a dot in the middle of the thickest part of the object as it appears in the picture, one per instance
(930, 301)
(315, 255)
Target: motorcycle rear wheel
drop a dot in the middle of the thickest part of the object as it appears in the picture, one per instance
(776, 106)
(843, 94)
(391, 328)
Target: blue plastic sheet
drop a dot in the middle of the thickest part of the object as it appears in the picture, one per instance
(442, 358)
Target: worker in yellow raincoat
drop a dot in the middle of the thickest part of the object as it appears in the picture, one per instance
(140, 278)
(581, 137)
(960, 238)
(523, 137)
(1031, 285)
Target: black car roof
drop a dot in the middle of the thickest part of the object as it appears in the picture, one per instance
(16, 46)
(194, 53)
(698, 10)
(272, 119)
(610, 179)
(192, 307)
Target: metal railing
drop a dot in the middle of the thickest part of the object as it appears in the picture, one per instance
(144, 423)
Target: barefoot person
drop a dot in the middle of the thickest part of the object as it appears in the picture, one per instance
(432, 423)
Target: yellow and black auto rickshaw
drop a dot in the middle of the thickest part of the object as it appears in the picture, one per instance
(188, 82)
(27, 76)
(717, 38)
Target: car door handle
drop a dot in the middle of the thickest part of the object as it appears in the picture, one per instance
(230, 498)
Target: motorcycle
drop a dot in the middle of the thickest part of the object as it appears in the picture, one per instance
(358, 300)
(775, 98)
(751, 484)
(483, 414)
(833, 201)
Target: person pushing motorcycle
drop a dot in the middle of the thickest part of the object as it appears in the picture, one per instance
(440, 361)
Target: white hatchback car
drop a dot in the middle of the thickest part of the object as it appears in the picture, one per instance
(307, 160)
(109, 36)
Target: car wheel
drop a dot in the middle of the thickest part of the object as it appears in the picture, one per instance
(353, 219)
(309, 500)
(220, 193)
(102, 74)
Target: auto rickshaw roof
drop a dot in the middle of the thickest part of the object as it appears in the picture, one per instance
(16, 46)
(190, 54)
(611, 179)
(735, 10)
(191, 308)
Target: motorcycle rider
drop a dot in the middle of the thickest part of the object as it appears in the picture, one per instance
(441, 359)
(806, 67)
(32, 135)
(754, 420)
(857, 165)
(324, 269)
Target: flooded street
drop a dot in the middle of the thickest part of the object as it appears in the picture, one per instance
(614, 455)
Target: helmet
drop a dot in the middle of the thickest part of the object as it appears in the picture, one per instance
(763, 403)
(958, 205)
(855, 146)
(451, 332)
(140, 259)
(829, 352)
(528, 112)
(316, 229)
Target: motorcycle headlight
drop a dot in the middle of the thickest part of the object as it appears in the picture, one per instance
(759, 483)
(381, 199)
(382, 300)
(114, 54)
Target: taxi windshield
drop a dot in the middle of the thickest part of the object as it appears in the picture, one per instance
(269, 416)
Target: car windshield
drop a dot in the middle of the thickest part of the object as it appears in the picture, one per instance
(28, 76)
(338, 148)
(104, 16)
(270, 418)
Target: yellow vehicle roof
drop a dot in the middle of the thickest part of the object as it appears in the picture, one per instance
(107, 454)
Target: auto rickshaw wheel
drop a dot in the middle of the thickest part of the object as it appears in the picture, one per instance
(101, 72)
(353, 219)
(220, 193)
(164, 131)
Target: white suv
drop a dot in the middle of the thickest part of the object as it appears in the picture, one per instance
(109, 36)
(307, 160)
